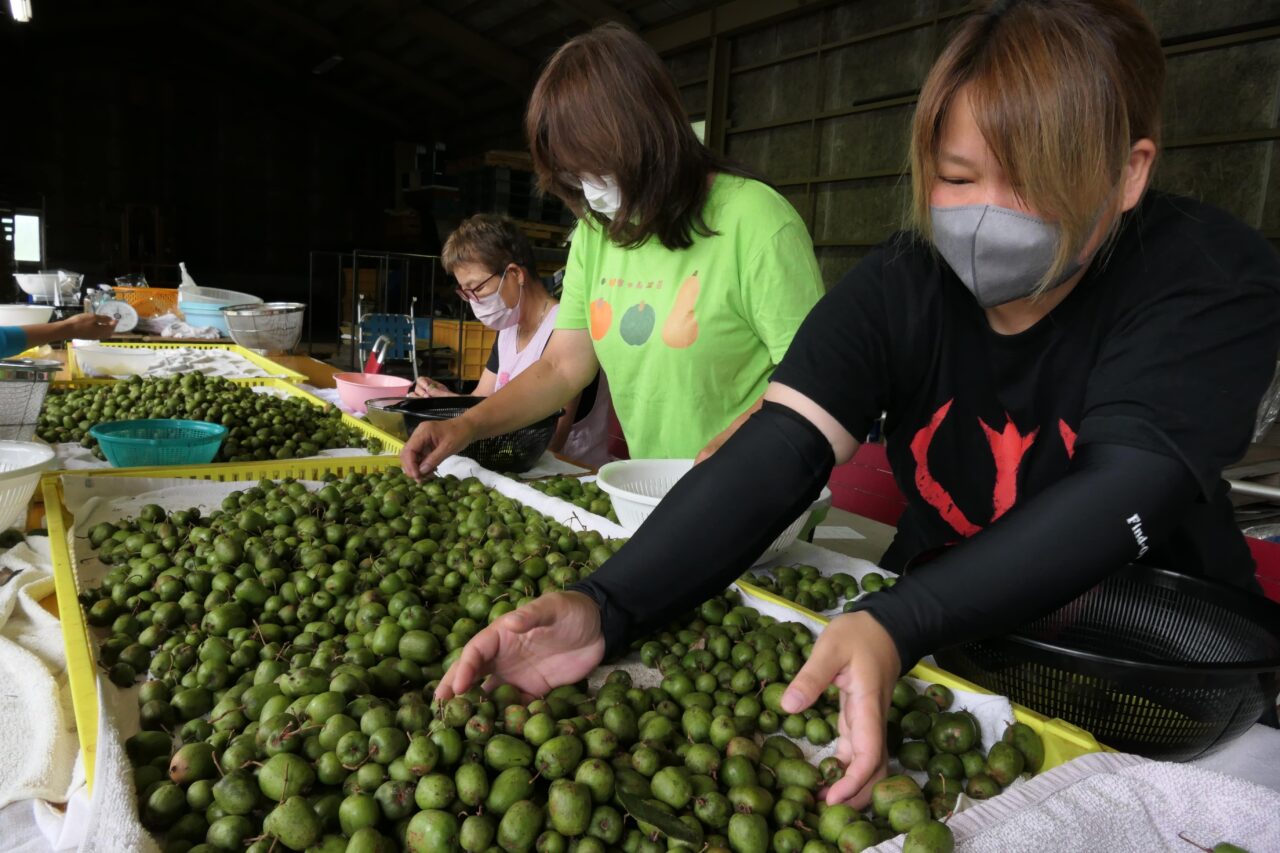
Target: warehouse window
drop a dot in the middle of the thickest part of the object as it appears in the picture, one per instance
(26, 238)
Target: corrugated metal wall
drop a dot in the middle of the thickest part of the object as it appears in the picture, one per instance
(821, 104)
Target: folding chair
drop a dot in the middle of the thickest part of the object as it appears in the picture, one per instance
(399, 330)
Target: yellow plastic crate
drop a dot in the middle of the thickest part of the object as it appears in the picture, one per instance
(80, 651)
(471, 340)
(391, 444)
(73, 365)
(1063, 741)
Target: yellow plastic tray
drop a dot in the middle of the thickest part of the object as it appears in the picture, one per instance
(392, 444)
(73, 365)
(80, 651)
(1063, 741)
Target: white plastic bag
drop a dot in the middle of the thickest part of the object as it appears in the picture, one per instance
(1269, 408)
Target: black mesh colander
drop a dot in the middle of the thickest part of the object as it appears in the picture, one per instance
(510, 453)
(1149, 661)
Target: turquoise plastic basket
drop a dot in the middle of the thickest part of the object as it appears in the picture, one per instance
(158, 441)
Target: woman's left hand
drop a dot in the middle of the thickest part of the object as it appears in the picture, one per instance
(857, 655)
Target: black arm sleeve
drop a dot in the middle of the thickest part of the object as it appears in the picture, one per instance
(709, 529)
(491, 364)
(1046, 552)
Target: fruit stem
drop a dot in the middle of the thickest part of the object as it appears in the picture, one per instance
(1194, 844)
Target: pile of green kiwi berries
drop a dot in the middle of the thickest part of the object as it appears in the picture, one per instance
(742, 661)
(806, 586)
(809, 588)
(588, 495)
(292, 641)
(871, 582)
(259, 426)
(926, 735)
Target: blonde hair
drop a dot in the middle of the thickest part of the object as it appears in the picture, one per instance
(1060, 89)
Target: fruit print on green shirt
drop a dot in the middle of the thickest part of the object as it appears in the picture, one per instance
(681, 328)
(637, 323)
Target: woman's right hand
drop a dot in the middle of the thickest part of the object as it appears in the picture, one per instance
(553, 640)
(428, 387)
(432, 443)
(86, 327)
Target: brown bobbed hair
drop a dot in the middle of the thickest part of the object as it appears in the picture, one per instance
(606, 104)
(490, 240)
(1060, 89)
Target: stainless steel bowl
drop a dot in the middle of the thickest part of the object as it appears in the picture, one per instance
(383, 412)
(267, 327)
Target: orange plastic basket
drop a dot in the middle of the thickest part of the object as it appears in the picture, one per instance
(149, 301)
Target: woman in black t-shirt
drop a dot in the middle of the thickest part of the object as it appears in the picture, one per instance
(1066, 359)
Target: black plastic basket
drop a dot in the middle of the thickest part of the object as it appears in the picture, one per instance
(1149, 661)
(510, 453)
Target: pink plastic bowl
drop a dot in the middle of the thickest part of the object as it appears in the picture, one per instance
(356, 389)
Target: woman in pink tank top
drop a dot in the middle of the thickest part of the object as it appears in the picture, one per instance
(493, 264)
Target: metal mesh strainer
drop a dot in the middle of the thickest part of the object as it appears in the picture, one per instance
(23, 386)
(269, 327)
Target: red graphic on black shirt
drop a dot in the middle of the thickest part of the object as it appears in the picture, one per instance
(930, 489)
(1008, 449)
(1068, 438)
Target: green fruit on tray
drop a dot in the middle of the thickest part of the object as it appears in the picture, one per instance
(295, 634)
(584, 495)
(259, 426)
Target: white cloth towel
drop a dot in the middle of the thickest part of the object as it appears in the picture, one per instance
(112, 823)
(1110, 801)
(38, 745)
(176, 328)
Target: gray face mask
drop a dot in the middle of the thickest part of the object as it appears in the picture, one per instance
(1000, 254)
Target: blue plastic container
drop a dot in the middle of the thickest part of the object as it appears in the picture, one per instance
(202, 314)
(158, 441)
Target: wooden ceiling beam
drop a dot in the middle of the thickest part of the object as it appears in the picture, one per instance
(725, 18)
(389, 69)
(470, 47)
(594, 12)
(265, 58)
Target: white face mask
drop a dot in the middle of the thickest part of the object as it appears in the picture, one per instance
(602, 195)
(493, 311)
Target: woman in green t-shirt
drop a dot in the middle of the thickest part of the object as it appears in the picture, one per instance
(686, 280)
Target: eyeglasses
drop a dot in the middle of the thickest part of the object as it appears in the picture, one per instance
(472, 294)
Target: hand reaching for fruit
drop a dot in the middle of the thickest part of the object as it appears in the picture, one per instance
(553, 640)
(858, 656)
(432, 443)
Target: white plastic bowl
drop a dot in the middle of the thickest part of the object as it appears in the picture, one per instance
(20, 465)
(24, 315)
(636, 486)
(215, 296)
(38, 283)
(46, 284)
(100, 361)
